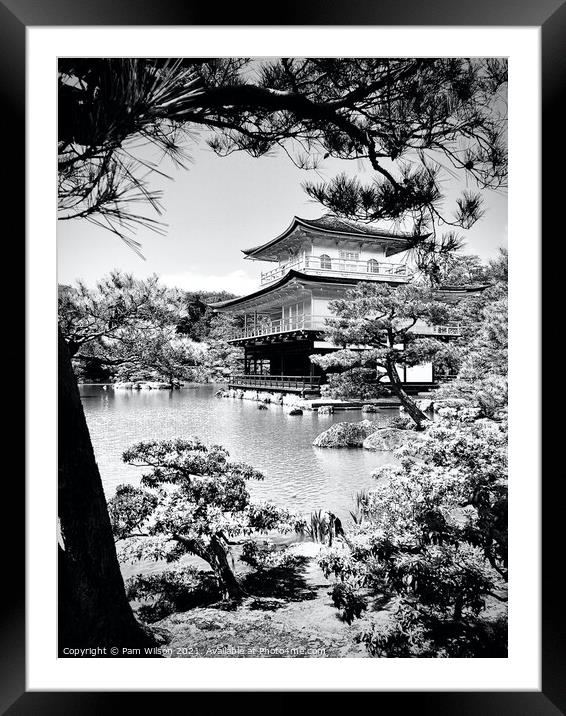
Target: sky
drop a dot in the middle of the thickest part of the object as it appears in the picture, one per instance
(218, 206)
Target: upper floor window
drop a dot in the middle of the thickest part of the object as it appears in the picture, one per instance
(349, 255)
(325, 262)
(373, 266)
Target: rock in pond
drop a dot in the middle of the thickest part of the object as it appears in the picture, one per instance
(262, 406)
(325, 410)
(369, 408)
(294, 411)
(342, 435)
(390, 439)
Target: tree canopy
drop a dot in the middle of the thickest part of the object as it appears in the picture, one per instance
(117, 302)
(192, 499)
(417, 121)
(374, 324)
(128, 326)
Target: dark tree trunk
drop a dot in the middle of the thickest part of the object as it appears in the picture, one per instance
(93, 608)
(458, 606)
(214, 554)
(231, 588)
(407, 402)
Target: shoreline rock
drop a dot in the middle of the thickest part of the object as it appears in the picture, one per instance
(147, 385)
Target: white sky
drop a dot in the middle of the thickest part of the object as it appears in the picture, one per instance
(219, 206)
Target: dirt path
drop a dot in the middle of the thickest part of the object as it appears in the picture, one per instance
(299, 623)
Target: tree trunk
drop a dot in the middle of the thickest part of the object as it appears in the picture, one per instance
(214, 554)
(458, 606)
(231, 588)
(92, 604)
(407, 402)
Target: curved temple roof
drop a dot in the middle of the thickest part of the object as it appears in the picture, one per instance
(333, 226)
(443, 293)
(289, 276)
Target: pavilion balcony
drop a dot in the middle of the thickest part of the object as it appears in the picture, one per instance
(371, 270)
(454, 329)
(303, 384)
(318, 323)
(287, 325)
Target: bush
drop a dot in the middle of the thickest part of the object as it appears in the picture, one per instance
(414, 631)
(263, 556)
(170, 591)
(432, 537)
(354, 384)
(345, 597)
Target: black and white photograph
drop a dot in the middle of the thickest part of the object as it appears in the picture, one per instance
(283, 357)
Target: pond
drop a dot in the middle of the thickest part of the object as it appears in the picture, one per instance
(297, 475)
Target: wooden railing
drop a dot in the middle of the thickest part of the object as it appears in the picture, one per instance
(454, 329)
(318, 323)
(349, 268)
(296, 383)
(305, 322)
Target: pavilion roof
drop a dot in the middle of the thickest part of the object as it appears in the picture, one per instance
(446, 293)
(290, 276)
(331, 226)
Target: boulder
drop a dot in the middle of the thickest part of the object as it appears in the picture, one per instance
(425, 405)
(262, 406)
(156, 385)
(390, 439)
(446, 412)
(342, 435)
(294, 411)
(369, 408)
(295, 401)
(450, 403)
(325, 410)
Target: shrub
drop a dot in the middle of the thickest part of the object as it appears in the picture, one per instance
(345, 597)
(173, 590)
(432, 537)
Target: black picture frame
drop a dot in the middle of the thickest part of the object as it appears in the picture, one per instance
(15, 17)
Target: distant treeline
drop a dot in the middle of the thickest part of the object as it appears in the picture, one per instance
(197, 321)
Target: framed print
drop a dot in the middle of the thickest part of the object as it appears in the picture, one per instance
(283, 403)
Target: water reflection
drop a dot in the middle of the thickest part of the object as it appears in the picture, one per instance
(297, 474)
